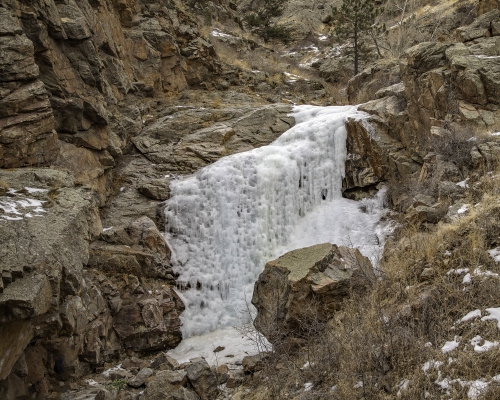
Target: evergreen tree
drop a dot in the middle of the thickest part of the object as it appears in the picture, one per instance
(261, 21)
(354, 21)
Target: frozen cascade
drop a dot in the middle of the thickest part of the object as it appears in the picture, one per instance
(226, 221)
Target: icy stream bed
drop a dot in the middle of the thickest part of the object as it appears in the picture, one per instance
(227, 220)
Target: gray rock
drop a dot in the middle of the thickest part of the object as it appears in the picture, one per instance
(423, 214)
(449, 189)
(231, 130)
(254, 363)
(306, 284)
(157, 189)
(397, 90)
(202, 378)
(423, 200)
(427, 274)
(140, 378)
(169, 385)
(480, 27)
(164, 362)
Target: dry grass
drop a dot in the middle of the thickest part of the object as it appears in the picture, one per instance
(3, 184)
(384, 336)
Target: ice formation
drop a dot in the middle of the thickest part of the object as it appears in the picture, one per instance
(226, 221)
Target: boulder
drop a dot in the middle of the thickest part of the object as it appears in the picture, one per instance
(254, 363)
(304, 285)
(156, 189)
(137, 248)
(146, 324)
(481, 27)
(202, 378)
(374, 155)
(164, 362)
(169, 385)
(140, 378)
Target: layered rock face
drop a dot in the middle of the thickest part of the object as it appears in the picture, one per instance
(88, 142)
(305, 287)
(444, 88)
(70, 69)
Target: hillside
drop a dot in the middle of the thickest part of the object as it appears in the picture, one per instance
(114, 115)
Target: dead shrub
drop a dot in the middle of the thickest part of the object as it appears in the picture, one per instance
(455, 144)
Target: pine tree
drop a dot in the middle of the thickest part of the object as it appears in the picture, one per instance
(261, 21)
(353, 22)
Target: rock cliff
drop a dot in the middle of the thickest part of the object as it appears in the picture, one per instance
(436, 89)
(91, 131)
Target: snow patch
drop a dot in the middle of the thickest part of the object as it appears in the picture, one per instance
(495, 254)
(451, 345)
(494, 315)
(471, 315)
(476, 389)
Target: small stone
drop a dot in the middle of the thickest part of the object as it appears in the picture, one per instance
(140, 378)
(427, 274)
(254, 363)
(164, 362)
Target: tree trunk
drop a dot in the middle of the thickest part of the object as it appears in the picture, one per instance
(356, 52)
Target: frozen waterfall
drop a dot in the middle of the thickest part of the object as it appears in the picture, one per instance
(226, 221)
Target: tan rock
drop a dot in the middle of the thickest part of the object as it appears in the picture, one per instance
(15, 337)
(304, 285)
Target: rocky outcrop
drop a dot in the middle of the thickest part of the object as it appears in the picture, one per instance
(70, 72)
(453, 85)
(306, 285)
(365, 85)
(27, 135)
(59, 318)
(446, 88)
(187, 140)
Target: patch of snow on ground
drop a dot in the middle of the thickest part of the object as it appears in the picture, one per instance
(477, 388)
(495, 254)
(494, 315)
(450, 346)
(113, 369)
(218, 33)
(467, 278)
(495, 134)
(463, 184)
(463, 209)
(358, 385)
(458, 271)
(479, 272)
(431, 364)
(308, 386)
(19, 208)
(402, 386)
(485, 56)
(487, 345)
(311, 48)
(322, 37)
(293, 77)
(471, 315)
(35, 190)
